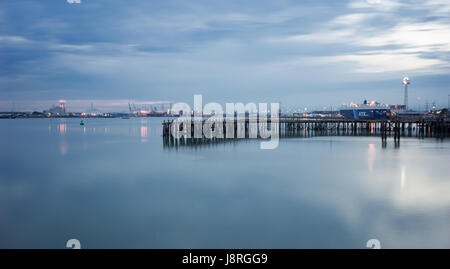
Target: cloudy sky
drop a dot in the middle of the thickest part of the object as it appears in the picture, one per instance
(301, 53)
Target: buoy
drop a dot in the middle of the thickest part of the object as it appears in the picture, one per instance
(82, 122)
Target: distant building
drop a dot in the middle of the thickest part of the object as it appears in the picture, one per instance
(397, 107)
(59, 110)
(92, 112)
(159, 108)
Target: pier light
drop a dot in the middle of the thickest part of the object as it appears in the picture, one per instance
(62, 103)
(405, 80)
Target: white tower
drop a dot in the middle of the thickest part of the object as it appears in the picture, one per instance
(406, 82)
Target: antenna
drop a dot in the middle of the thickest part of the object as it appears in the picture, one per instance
(448, 103)
(406, 83)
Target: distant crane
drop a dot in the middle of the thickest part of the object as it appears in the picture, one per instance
(153, 107)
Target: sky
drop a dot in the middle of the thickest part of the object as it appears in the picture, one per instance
(316, 54)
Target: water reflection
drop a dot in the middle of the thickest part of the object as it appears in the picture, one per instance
(62, 128)
(144, 133)
(144, 130)
(403, 177)
(218, 195)
(371, 157)
(63, 148)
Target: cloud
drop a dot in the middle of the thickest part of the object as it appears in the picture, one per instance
(11, 39)
(351, 19)
(433, 7)
(83, 47)
(413, 34)
(155, 48)
(381, 5)
(341, 29)
(402, 44)
(389, 61)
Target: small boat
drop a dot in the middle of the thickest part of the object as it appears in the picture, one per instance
(125, 118)
(82, 123)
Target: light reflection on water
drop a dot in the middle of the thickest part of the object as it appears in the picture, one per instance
(403, 177)
(144, 130)
(371, 156)
(62, 128)
(111, 183)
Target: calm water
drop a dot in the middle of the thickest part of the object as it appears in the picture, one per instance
(112, 184)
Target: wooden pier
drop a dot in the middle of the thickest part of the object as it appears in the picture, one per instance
(396, 128)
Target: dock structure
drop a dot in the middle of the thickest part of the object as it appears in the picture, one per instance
(396, 128)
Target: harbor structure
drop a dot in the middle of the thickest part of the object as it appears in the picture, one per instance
(148, 109)
(420, 126)
(406, 83)
(59, 110)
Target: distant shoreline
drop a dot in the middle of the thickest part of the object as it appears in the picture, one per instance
(80, 117)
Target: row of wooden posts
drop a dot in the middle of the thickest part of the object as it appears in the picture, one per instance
(294, 127)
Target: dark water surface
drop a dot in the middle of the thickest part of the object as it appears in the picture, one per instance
(112, 184)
